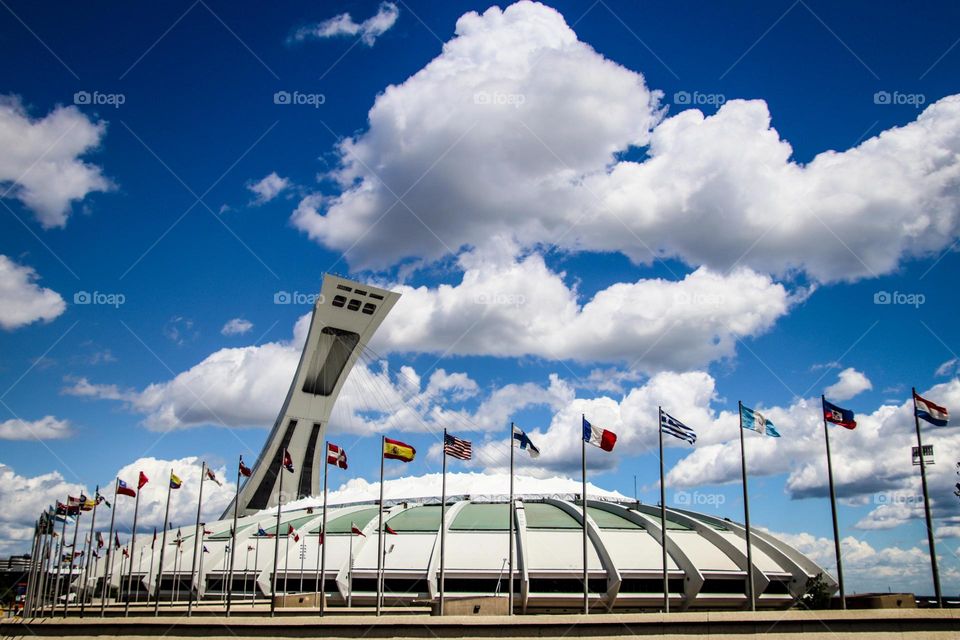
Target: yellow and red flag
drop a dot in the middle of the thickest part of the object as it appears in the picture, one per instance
(396, 450)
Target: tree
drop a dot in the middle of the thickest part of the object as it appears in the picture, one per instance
(817, 594)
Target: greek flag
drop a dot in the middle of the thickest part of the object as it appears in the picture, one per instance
(673, 427)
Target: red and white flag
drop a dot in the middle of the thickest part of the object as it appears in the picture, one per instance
(212, 476)
(356, 531)
(336, 455)
(293, 532)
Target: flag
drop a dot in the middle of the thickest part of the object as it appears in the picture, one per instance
(100, 499)
(212, 476)
(396, 450)
(207, 532)
(673, 427)
(598, 436)
(836, 415)
(293, 532)
(389, 529)
(154, 541)
(756, 421)
(75, 502)
(205, 550)
(356, 531)
(96, 554)
(99, 540)
(67, 509)
(179, 539)
(86, 504)
(175, 481)
(336, 455)
(116, 540)
(126, 554)
(525, 443)
(932, 413)
(457, 447)
(244, 469)
(287, 461)
(142, 480)
(249, 547)
(263, 534)
(124, 490)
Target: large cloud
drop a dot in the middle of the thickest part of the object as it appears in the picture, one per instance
(22, 300)
(46, 428)
(506, 307)
(41, 161)
(513, 132)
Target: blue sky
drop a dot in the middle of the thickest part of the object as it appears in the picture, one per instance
(562, 211)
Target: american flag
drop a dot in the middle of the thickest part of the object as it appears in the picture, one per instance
(460, 449)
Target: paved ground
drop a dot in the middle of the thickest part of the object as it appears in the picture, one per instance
(916, 624)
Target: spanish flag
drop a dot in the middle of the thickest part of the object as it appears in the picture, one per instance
(396, 450)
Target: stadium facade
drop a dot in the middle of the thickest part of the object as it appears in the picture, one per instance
(707, 560)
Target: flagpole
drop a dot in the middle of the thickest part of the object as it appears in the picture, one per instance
(31, 578)
(196, 542)
(152, 554)
(233, 539)
(443, 514)
(86, 569)
(583, 496)
(256, 563)
(746, 513)
(41, 574)
(383, 443)
(321, 579)
(45, 568)
(510, 541)
(350, 572)
(133, 542)
(276, 542)
(833, 505)
(926, 508)
(107, 566)
(63, 539)
(177, 557)
(286, 562)
(163, 547)
(73, 551)
(200, 578)
(663, 517)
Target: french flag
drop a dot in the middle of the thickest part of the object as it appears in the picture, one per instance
(598, 436)
(932, 413)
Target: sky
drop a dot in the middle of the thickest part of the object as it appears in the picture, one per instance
(589, 209)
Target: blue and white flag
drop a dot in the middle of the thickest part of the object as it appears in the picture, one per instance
(673, 427)
(756, 421)
(525, 443)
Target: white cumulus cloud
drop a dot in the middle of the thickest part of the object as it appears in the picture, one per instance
(344, 25)
(22, 300)
(850, 382)
(514, 131)
(236, 327)
(268, 188)
(41, 160)
(46, 428)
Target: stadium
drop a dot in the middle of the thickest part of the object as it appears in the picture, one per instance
(706, 556)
